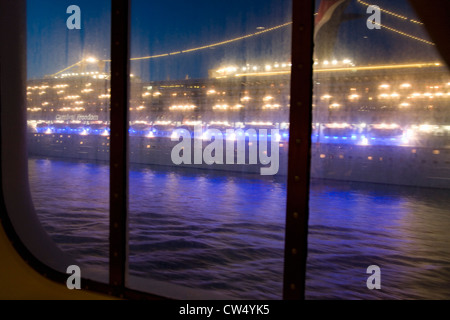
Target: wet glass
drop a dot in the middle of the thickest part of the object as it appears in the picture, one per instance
(380, 163)
(68, 93)
(209, 120)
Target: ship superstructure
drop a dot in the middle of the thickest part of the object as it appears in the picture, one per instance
(370, 116)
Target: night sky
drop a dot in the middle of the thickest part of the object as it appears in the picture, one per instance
(166, 26)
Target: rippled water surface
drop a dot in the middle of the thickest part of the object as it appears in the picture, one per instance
(224, 233)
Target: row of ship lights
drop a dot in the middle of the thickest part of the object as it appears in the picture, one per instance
(229, 69)
(394, 95)
(351, 97)
(146, 94)
(173, 107)
(153, 132)
(232, 69)
(406, 137)
(93, 74)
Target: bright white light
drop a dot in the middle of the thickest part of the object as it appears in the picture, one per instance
(231, 137)
(386, 126)
(427, 128)
(364, 141)
(192, 123)
(277, 137)
(408, 135)
(182, 107)
(91, 60)
(337, 125)
(221, 106)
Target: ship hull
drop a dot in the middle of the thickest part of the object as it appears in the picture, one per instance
(397, 165)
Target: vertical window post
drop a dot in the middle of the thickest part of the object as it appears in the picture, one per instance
(120, 65)
(299, 151)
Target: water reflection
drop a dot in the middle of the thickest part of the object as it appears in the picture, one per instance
(225, 233)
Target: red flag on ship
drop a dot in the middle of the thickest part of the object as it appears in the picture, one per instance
(328, 19)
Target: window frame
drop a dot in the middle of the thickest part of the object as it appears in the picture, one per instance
(297, 211)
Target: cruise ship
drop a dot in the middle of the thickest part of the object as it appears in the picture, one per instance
(377, 123)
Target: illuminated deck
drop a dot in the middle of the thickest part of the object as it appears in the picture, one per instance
(375, 117)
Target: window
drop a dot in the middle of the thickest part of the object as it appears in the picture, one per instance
(68, 103)
(210, 83)
(67, 119)
(380, 119)
(230, 148)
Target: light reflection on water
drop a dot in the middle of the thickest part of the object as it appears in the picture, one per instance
(225, 232)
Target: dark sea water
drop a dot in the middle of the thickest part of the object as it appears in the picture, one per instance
(224, 233)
